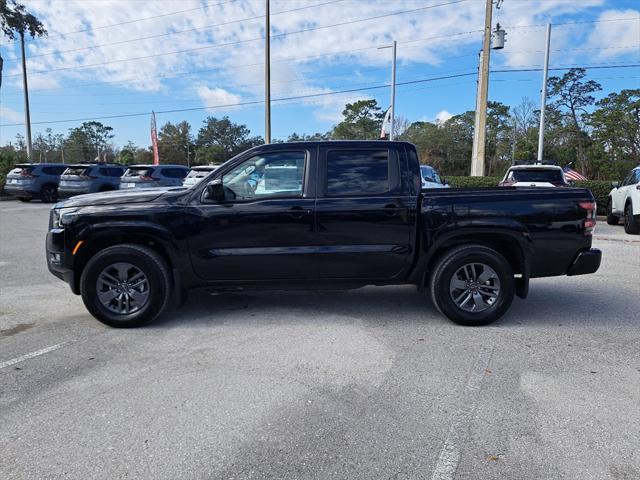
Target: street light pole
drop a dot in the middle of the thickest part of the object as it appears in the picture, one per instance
(393, 92)
(543, 100)
(27, 116)
(267, 77)
(479, 132)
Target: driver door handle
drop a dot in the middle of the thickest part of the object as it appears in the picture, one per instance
(299, 212)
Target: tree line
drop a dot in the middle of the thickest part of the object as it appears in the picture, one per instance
(600, 138)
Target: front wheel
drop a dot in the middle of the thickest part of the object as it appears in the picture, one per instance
(631, 222)
(125, 286)
(611, 218)
(472, 285)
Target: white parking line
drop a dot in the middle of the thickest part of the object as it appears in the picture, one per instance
(27, 356)
(450, 454)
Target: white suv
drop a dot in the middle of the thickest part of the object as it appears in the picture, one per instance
(624, 200)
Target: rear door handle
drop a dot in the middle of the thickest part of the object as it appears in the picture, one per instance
(299, 212)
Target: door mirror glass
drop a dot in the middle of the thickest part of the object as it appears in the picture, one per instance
(615, 184)
(215, 191)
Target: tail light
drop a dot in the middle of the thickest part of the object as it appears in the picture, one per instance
(589, 223)
(87, 177)
(27, 174)
(146, 178)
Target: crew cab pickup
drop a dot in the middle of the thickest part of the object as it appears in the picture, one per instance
(316, 215)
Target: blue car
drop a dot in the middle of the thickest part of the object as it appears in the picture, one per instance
(35, 180)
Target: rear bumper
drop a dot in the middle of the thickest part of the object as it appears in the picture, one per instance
(586, 262)
(21, 191)
(66, 193)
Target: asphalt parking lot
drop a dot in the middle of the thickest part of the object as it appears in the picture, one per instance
(367, 384)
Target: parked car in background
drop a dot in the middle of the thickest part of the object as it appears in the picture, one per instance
(430, 178)
(35, 180)
(198, 173)
(534, 176)
(90, 178)
(624, 200)
(149, 176)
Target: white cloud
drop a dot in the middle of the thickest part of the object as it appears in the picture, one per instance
(442, 116)
(11, 115)
(623, 37)
(236, 64)
(217, 97)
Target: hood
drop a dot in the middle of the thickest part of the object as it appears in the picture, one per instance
(121, 196)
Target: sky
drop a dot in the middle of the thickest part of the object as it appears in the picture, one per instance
(115, 61)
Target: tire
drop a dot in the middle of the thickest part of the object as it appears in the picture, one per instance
(631, 221)
(611, 218)
(49, 194)
(452, 268)
(124, 263)
(24, 199)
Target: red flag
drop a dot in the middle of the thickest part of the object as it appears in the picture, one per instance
(154, 139)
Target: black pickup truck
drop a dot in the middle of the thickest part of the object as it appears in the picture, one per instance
(316, 215)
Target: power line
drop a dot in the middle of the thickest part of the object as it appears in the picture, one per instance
(302, 97)
(279, 35)
(126, 22)
(230, 22)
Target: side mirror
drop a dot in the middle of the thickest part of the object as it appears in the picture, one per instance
(215, 191)
(615, 184)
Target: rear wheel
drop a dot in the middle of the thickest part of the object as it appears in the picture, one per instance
(125, 286)
(472, 285)
(631, 222)
(49, 194)
(611, 218)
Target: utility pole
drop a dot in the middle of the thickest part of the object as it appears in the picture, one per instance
(27, 116)
(267, 77)
(393, 92)
(543, 100)
(479, 132)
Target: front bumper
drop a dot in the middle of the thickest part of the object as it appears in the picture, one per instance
(586, 262)
(57, 257)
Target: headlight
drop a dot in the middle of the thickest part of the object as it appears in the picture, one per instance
(63, 216)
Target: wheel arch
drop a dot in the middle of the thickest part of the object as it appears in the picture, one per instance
(98, 241)
(513, 246)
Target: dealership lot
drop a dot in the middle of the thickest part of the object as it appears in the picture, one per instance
(365, 384)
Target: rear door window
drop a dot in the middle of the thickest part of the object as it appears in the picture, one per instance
(360, 172)
(174, 172)
(54, 170)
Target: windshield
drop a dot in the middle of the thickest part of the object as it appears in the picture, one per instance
(138, 172)
(21, 170)
(76, 171)
(536, 175)
(200, 173)
(429, 174)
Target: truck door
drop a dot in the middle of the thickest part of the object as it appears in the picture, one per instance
(365, 216)
(263, 230)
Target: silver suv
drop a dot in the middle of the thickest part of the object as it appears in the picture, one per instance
(35, 180)
(149, 176)
(90, 178)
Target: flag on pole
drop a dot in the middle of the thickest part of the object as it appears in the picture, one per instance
(571, 174)
(386, 124)
(154, 139)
